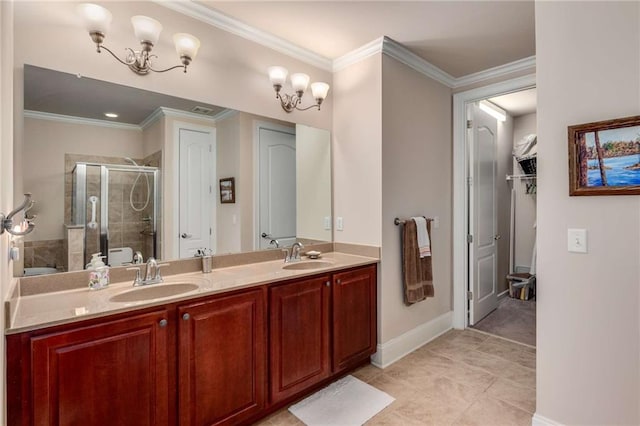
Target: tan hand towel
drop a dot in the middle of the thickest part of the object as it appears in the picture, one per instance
(417, 273)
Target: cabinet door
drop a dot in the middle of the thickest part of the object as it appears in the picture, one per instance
(222, 359)
(299, 331)
(354, 316)
(113, 373)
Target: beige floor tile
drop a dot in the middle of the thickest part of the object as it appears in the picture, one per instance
(485, 361)
(284, 418)
(510, 344)
(488, 411)
(471, 336)
(514, 394)
(431, 410)
(522, 375)
(458, 393)
(367, 373)
(471, 376)
(392, 418)
(494, 348)
(394, 387)
(526, 359)
(454, 347)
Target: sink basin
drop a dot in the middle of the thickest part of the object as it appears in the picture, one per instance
(311, 264)
(153, 291)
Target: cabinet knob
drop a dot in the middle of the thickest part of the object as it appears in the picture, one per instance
(338, 281)
(186, 316)
(328, 283)
(163, 322)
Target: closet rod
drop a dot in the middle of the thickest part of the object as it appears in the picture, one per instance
(514, 177)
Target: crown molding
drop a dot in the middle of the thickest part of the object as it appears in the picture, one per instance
(173, 113)
(400, 53)
(224, 114)
(496, 72)
(358, 55)
(39, 115)
(239, 28)
(383, 45)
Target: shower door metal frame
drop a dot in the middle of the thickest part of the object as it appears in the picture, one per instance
(104, 202)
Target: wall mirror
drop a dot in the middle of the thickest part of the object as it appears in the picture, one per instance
(153, 181)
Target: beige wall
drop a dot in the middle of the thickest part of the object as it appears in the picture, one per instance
(525, 214)
(228, 161)
(357, 154)
(6, 170)
(416, 180)
(313, 182)
(503, 199)
(46, 143)
(588, 305)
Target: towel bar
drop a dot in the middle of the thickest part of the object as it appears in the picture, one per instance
(397, 221)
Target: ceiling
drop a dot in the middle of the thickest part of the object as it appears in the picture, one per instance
(518, 103)
(66, 94)
(459, 37)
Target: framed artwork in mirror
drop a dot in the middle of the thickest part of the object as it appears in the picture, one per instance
(604, 157)
(227, 190)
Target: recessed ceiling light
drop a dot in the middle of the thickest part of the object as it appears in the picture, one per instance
(111, 114)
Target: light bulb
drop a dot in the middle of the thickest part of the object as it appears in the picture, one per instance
(319, 90)
(299, 81)
(186, 45)
(146, 29)
(96, 18)
(277, 75)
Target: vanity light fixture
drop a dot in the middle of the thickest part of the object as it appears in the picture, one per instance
(299, 81)
(25, 226)
(97, 20)
(493, 110)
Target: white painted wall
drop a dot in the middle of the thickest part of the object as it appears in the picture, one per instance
(588, 318)
(416, 180)
(525, 211)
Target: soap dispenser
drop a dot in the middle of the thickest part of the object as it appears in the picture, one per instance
(98, 273)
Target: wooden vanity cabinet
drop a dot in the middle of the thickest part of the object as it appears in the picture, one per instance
(225, 359)
(299, 324)
(222, 359)
(320, 327)
(108, 373)
(354, 316)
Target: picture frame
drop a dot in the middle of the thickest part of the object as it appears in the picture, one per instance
(227, 190)
(604, 157)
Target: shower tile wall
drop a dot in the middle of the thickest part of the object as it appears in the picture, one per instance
(127, 227)
(49, 253)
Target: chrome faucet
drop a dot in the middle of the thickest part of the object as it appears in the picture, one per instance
(151, 275)
(137, 258)
(294, 255)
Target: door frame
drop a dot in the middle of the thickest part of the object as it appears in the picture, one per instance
(460, 203)
(175, 238)
(257, 125)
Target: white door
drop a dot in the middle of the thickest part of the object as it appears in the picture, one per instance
(482, 138)
(196, 206)
(277, 186)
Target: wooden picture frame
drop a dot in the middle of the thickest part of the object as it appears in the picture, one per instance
(604, 157)
(227, 190)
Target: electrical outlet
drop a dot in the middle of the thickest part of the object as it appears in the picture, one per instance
(339, 224)
(327, 223)
(577, 240)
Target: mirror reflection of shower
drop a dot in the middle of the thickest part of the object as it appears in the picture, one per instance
(116, 207)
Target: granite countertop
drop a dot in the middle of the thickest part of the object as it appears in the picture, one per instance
(61, 307)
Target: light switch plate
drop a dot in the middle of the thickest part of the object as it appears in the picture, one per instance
(327, 223)
(577, 240)
(339, 224)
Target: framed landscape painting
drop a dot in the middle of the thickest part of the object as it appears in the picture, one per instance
(604, 157)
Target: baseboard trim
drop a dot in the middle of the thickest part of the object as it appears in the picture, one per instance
(503, 294)
(538, 420)
(389, 352)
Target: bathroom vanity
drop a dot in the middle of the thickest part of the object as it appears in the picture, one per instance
(247, 341)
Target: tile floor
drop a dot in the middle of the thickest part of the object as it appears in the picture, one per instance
(461, 378)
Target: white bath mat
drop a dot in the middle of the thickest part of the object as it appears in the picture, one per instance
(346, 402)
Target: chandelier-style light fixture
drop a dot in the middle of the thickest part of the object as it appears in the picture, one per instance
(97, 20)
(299, 81)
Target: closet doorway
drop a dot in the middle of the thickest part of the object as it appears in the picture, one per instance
(490, 235)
